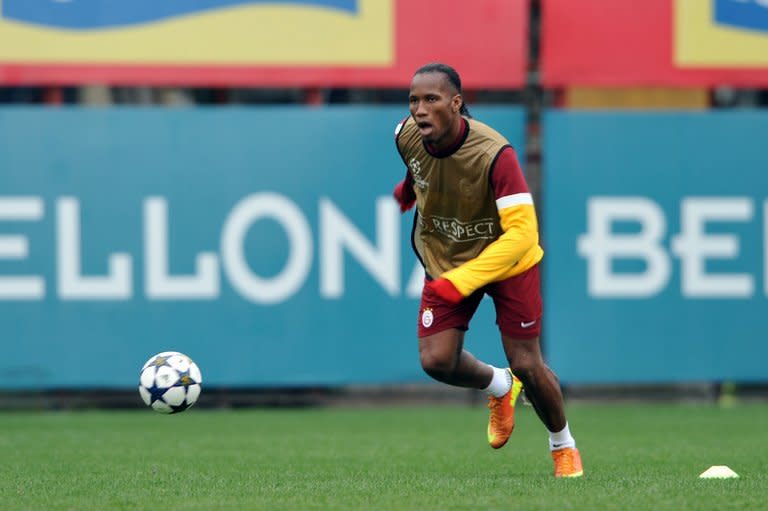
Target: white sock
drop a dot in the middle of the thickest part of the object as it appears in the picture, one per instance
(561, 439)
(500, 383)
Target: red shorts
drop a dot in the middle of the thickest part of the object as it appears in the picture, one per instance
(517, 301)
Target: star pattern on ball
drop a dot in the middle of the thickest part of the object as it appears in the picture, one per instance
(156, 393)
(165, 387)
(185, 379)
(160, 361)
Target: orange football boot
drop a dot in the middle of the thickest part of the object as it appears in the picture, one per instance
(567, 462)
(502, 419)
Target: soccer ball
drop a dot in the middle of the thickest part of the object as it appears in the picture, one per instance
(170, 382)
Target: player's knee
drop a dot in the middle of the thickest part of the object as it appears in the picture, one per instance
(437, 366)
(525, 367)
(523, 373)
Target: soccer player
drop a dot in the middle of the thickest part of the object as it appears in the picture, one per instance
(475, 232)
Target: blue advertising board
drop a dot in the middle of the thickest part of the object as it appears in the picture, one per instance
(262, 242)
(655, 229)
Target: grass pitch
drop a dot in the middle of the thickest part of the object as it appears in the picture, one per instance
(635, 456)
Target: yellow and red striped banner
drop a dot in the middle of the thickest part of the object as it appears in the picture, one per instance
(655, 43)
(259, 42)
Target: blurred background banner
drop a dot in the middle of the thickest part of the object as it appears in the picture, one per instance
(89, 14)
(262, 242)
(656, 240)
(309, 43)
(654, 42)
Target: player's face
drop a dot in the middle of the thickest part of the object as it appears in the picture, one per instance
(435, 107)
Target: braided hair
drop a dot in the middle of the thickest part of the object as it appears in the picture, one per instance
(451, 75)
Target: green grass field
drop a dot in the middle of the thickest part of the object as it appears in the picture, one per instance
(636, 457)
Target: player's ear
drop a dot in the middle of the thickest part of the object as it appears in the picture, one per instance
(456, 103)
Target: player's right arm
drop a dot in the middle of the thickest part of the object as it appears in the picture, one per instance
(403, 192)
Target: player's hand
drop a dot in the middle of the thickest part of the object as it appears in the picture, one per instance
(404, 196)
(445, 289)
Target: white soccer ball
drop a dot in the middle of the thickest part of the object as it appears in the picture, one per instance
(170, 382)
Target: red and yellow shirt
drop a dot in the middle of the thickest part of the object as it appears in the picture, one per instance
(475, 221)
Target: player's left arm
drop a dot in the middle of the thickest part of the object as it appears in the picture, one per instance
(519, 225)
